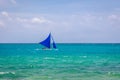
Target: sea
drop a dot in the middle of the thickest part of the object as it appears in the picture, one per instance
(70, 61)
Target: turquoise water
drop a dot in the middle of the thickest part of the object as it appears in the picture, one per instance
(69, 62)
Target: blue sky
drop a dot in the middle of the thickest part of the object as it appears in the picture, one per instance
(71, 21)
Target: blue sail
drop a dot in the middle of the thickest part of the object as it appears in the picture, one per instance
(54, 45)
(47, 41)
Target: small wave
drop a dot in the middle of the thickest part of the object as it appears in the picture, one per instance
(2, 73)
(48, 58)
(83, 56)
(56, 49)
(37, 49)
(114, 74)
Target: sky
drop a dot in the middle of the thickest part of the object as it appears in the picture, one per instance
(69, 21)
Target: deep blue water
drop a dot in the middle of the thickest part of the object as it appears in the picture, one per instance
(69, 62)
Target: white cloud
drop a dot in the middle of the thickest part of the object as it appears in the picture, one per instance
(4, 13)
(24, 19)
(114, 19)
(39, 20)
(35, 20)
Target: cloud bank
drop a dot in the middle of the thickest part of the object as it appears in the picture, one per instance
(91, 25)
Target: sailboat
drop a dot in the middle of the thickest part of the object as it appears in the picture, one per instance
(49, 43)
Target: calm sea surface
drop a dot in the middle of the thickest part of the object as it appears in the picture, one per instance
(69, 62)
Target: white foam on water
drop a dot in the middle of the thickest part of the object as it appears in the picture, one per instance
(37, 49)
(56, 49)
(84, 56)
(48, 58)
(2, 73)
